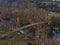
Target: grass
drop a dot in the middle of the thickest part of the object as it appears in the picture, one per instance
(9, 42)
(20, 35)
(2, 42)
(3, 30)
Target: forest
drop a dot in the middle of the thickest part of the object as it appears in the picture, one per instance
(30, 23)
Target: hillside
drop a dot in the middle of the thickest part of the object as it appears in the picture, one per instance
(29, 22)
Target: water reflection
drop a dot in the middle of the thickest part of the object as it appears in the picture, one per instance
(56, 32)
(11, 27)
(57, 35)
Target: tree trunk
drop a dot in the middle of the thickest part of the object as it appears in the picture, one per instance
(18, 23)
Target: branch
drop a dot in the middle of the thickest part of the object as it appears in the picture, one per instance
(18, 29)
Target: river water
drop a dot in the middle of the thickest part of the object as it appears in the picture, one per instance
(56, 35)
(11, 27)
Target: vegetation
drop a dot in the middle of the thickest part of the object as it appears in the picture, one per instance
(3, 30)
(23, 14)
(20, 36)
